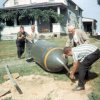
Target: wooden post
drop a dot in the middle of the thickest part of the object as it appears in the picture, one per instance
(13, 81)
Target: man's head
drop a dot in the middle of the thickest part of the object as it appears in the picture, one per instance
(33, 28)
(21, 29)
(67, 51)
(71, 29)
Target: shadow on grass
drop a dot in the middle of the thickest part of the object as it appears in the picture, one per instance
(91, 76)
(62, 74)
(63, 71)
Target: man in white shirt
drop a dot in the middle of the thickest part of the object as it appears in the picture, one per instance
(84, 56)
(29, 42)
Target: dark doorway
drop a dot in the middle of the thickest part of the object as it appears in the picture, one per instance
(88, 27)
(10, 22)
(23, 21)
(52, 20)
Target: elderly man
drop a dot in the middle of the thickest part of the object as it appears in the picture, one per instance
(84, 56)
(76, 37)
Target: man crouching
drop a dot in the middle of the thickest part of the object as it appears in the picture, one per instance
(84, 56)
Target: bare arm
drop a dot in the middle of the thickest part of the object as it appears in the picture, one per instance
(74, 69)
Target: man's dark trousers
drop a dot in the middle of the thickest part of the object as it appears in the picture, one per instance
(20, 47)
(85, 64)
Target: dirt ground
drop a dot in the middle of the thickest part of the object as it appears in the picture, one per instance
(36, 87)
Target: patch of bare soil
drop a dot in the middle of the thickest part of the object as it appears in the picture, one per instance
(36, 87)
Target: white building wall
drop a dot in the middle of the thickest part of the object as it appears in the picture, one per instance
(53, 1)
(10, 3)
(22, 2)
(39, 1)
(57, 28)
(10, 33)
(80, 23)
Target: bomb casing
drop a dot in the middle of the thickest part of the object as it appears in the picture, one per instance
(46, 54)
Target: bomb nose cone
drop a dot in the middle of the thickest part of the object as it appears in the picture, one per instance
(52, 63)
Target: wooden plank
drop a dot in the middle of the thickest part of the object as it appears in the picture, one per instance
(14, 75)
(3, 92)
(13, 81)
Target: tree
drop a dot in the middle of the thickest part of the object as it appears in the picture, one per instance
(98, 2)
(31, 13)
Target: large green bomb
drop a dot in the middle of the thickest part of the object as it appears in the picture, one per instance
(48, 55)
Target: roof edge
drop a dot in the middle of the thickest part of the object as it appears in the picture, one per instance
(36, 5)
(5, 2)
(90, 18)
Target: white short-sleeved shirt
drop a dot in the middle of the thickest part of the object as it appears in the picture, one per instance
(81, 51)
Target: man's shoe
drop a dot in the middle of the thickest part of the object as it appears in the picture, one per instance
(19, 57)
(78, 88)
(30, 60)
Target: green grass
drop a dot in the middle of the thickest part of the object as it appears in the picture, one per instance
(8, 56)
(7, 49)
(95, 95)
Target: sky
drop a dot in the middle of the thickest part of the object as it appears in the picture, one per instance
(1, 2)
(90, 9)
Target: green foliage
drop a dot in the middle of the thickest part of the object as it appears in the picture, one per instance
(47, 15)
(61, 19)
(98, 2)
(8, 15)
(31, 13)
(8, 98)
(23, 13)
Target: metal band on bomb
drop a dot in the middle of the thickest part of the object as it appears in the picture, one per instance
(46, 57)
